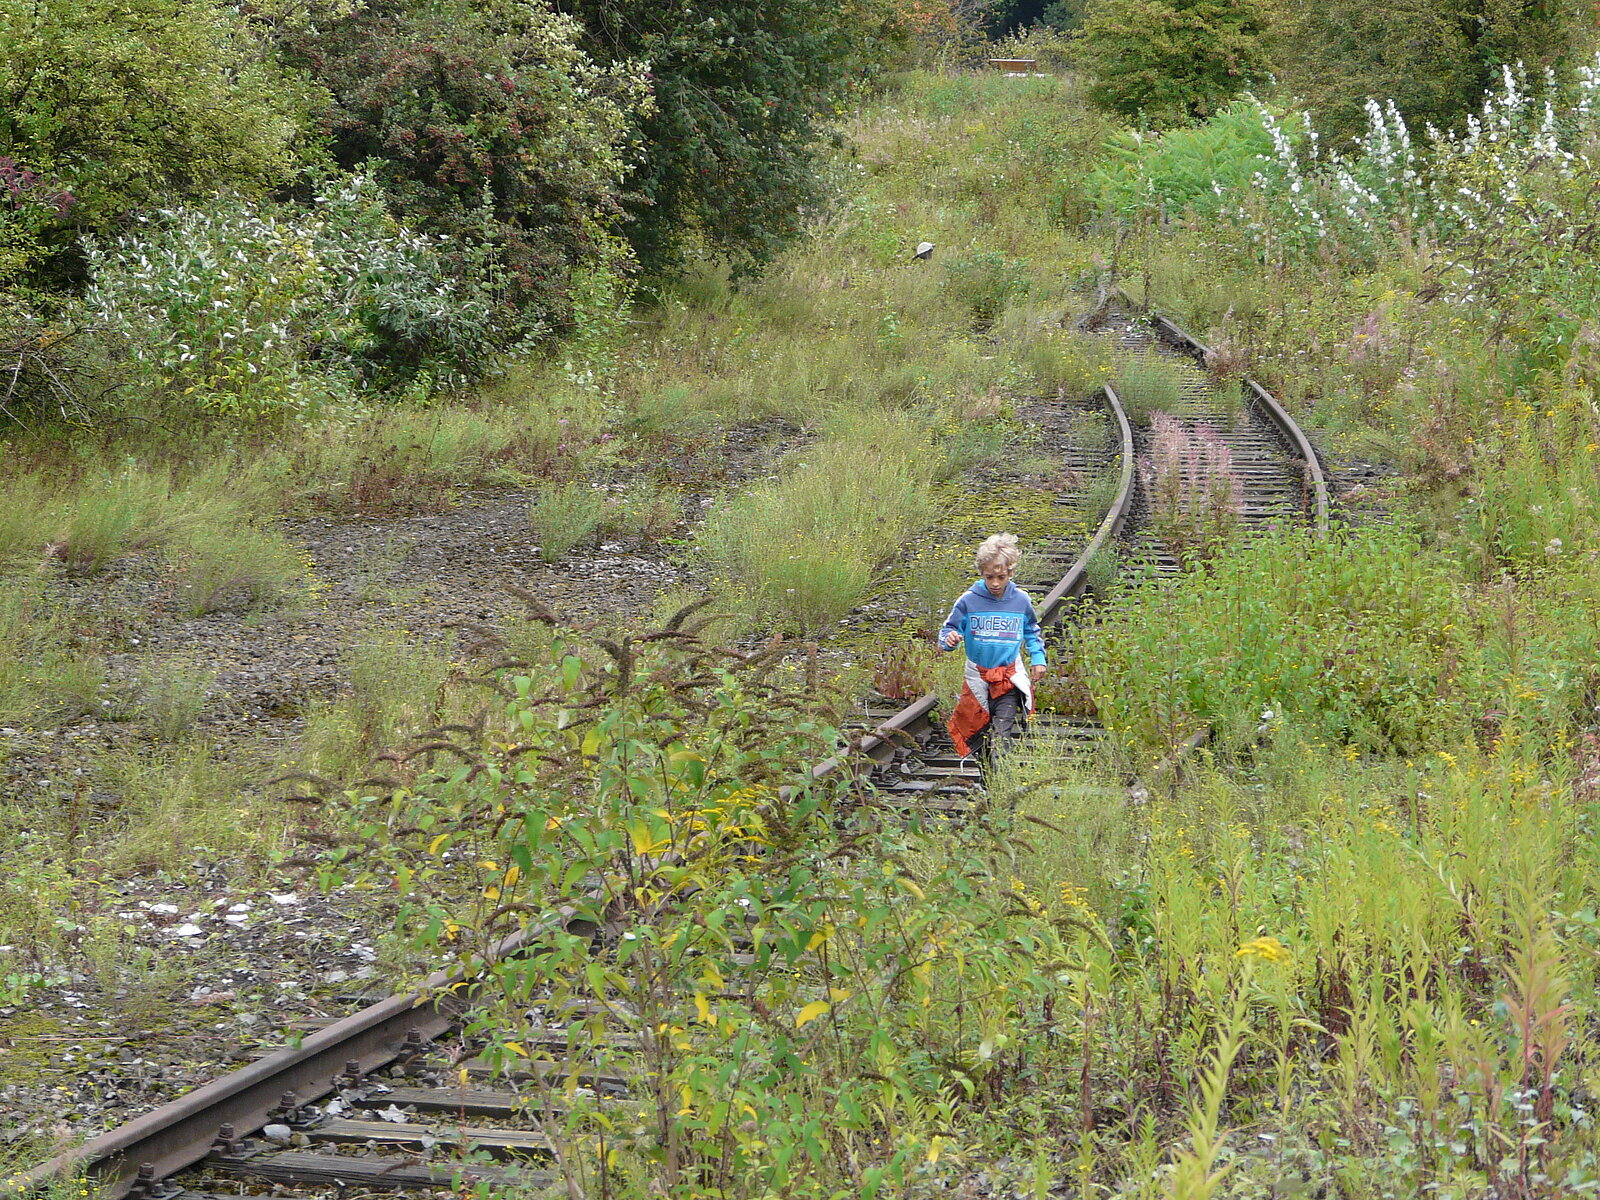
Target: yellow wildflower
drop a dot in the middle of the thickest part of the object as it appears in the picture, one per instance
(1268, 948)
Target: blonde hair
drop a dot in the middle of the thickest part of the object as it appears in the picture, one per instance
(1000, 548)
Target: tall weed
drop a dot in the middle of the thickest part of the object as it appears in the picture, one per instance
(236, 568)
(42, 677)
(397, 687)
(171, 806)
(1193, 491)
(1359, 639)
(1147, 383)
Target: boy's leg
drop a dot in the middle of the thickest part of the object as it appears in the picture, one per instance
(1005, 723)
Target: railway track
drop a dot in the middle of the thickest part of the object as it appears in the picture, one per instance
(368, 1103)
(1282, 483)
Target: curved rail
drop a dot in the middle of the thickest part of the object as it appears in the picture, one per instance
(1276, 415)
(133, 1157)
(880, 744)
(1076, 579)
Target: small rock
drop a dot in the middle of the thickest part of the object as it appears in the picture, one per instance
(277, 1132)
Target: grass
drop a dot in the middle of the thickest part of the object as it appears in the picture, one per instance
(804, 549)
(43, 678)
(171, 695)
(566, 517)
(236, 568)
(176, 806)
(1148, 383)
(399, 686)
(419, 459)
(645, 509)
(1380, 875)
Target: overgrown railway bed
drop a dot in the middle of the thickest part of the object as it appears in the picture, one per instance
(369, 1103)
(1282, 482)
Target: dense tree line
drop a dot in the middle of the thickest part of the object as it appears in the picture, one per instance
(512, 152)
(529, 143)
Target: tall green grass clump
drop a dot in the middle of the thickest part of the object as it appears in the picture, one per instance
(236, 568)
(987, 280)
(565, 517)
(172, 806)
(41, 677)
(397, 688)
(1528, 513)
(1148, 383)
(171, 694)
(803, 550)
(28, 521)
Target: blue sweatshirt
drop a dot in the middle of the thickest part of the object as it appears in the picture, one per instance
(992, 630)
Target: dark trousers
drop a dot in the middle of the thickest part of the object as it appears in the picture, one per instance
(1006, 723)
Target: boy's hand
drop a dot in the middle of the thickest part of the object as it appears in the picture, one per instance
(952, 640)
(1036, 672)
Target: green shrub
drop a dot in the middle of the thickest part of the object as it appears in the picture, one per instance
(986, 281)
(728, 152)
(487, 126)
(658, 769)
(566, 516)
(1171, 61)
(1355, 639)
(1184, 169)
(255, 311)
(167, 100)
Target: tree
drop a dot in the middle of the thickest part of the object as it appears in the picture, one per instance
(1173, 60)
(743, 94)
(123, 104)
(1433, 58)
(486, 123)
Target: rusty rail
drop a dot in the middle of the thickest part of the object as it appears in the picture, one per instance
(178, 1134)
(1275, 414)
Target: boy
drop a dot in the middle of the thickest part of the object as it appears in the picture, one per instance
(996, 620)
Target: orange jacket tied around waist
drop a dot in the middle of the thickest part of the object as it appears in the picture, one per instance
(972, 711)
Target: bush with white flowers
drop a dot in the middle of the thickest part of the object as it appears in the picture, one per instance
(253, 310)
